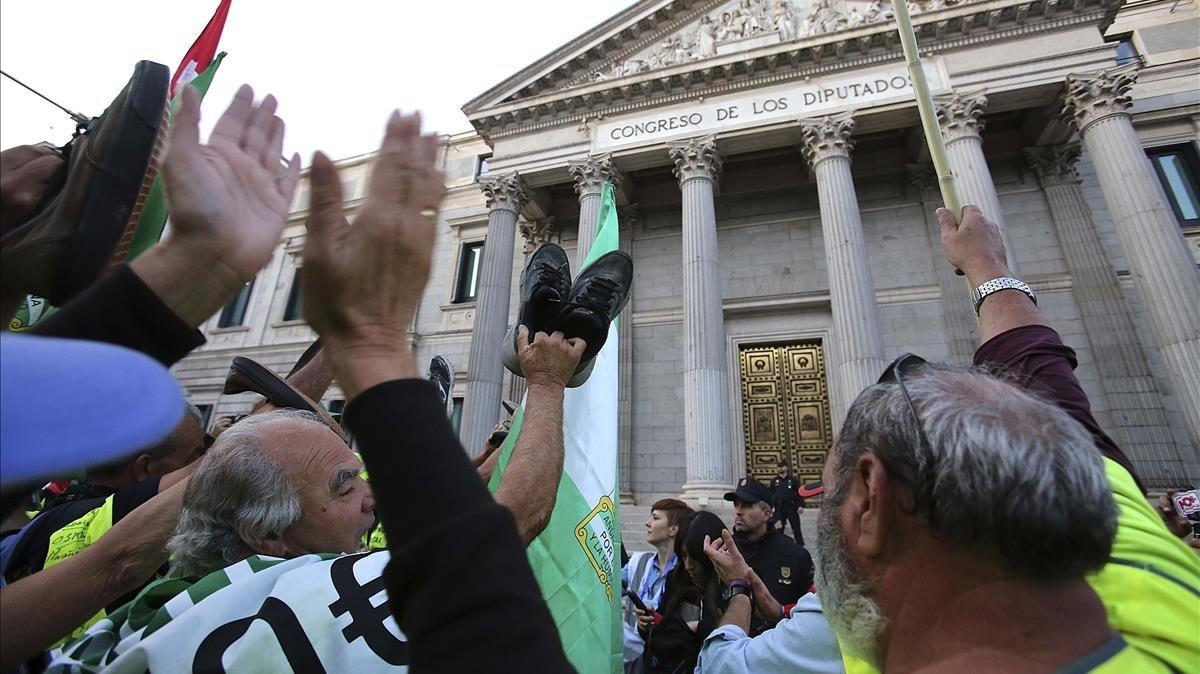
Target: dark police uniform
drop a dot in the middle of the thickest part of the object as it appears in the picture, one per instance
(787, 502)
(784, 566)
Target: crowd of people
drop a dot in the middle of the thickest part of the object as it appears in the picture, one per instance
(971, 518)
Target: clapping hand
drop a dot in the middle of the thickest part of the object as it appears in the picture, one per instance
(362, 280)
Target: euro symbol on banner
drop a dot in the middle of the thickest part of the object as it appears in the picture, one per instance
(366, 621)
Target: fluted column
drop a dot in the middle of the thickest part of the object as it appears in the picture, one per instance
(590, 175)
(958, 318)
(628, 218)
(705, 373)
(961, 119)
(857, 347)
(485, 373)
(1133, 398)
(1162, 269)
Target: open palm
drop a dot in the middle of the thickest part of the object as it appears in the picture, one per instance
(231, 196)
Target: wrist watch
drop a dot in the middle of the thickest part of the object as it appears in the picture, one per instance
(996, 285)
(736, 587)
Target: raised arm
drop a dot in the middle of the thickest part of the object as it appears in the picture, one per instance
(362, 283)
(530, 485)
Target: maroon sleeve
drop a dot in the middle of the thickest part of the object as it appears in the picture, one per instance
(1034, 356)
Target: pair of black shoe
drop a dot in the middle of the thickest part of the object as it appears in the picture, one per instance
(551, 302)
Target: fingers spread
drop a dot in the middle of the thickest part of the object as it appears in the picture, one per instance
(232, 125)
(274, 148)
(256, 136)
(291, 176)
(185, 128)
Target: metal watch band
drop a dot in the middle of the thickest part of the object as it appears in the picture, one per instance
(996, 285)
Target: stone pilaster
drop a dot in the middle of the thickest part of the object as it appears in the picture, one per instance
(628, 218)
(961, 117)
(506, 196)
(705, 373)
(958, 317)
(590, 175)
(857, 347)
(1162, 269)
(1133, 399)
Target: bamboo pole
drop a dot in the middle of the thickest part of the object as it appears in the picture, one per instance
(929, 121)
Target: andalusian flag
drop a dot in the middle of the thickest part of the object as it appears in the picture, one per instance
(577, 559)
(198, 66)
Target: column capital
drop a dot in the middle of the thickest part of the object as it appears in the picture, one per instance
(922, 176)
(1094, 96)
(960, 114)
(827, 137)
(696, 158)
(1054, 164)
(592, 172)
(628, 216)
(504, 192)
(536, 232)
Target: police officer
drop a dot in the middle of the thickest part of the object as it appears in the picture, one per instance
(784, 566)
(786, 499)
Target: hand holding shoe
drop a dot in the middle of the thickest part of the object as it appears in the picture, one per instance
(548, 359)
(362, 281)
(25, 172)
(228, 201)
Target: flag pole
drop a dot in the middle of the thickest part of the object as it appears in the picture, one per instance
(929, 121)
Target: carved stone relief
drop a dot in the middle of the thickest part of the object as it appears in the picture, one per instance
(746, 24)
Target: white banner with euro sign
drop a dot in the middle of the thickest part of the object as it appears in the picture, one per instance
(814, 97)
(317, 613)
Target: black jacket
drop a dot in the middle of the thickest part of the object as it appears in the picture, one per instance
(784, 566)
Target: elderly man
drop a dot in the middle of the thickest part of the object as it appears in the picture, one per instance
(279, 497)
(965, 515)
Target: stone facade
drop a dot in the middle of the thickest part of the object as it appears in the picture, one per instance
(729, 202)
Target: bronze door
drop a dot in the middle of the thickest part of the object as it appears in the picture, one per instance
(785, 409)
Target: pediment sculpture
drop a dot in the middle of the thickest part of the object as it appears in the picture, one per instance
(746, 24)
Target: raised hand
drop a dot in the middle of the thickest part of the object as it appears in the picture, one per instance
(973, 246)
(726, 558)
(229, 199)
(362, 281)
(25, 173)
(548, 359)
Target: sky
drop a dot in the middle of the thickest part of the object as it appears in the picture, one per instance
(338, 68)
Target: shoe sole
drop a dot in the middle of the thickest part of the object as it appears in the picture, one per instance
(121, 252)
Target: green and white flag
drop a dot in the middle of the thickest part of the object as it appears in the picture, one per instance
(577, 559)
(316, 613)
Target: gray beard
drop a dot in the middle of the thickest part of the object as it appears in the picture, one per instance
(854, 616)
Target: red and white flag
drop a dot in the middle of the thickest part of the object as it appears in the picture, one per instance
(202, 51)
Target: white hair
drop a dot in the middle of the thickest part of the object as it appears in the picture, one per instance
(237, 498)
(1002, 468)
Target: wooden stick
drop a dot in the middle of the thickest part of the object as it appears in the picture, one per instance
(929, 121)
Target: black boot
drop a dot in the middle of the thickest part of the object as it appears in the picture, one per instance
(596, 298)
(545, 285)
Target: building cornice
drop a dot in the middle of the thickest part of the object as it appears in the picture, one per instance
(940, 31)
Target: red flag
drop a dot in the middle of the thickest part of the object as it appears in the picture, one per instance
(203, 50)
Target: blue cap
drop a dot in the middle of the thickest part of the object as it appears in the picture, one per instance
(68, 404)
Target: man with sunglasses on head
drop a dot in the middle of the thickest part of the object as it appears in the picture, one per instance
(967, 514)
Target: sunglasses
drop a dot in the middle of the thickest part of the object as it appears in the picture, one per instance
(906, 364)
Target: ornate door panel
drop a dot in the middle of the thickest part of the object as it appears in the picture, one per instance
(785, 409)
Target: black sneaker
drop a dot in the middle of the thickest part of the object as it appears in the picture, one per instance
(598, 296)
(545, 285)
(441, 373)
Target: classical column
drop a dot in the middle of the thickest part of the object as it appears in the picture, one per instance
(485, 373)
(590, 175)
(1133, 398)
(958, 317)
(627, 216)
(857, 348)
(705, 373)
(961, 118)
(1162, 269)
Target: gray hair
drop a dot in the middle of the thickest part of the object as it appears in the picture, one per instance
(238, 497)
(1003, 468)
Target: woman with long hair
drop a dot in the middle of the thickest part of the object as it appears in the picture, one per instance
(691, 601)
